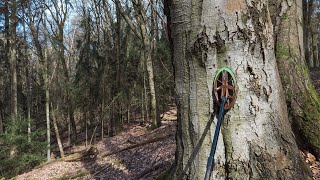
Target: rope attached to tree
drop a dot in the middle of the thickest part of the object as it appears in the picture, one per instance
(210, 163)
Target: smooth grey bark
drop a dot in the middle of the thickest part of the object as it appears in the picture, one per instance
(256, 141)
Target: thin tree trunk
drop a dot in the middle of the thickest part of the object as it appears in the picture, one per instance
(27, 76)
(128, 115)
(86, 120)
(315, 48)
(45, 74)
(1, 118)
(60, 145)
(154, 33)
(47, 95)
(310, 47)
(305, 30)
(102, 116)
(309, 33)
(256, 141)
(142, 107)
(13, 60)
(145, 96)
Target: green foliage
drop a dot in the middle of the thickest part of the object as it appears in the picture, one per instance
(16, 153)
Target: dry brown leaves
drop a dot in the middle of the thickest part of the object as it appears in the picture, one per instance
(313, 163)
(146, 162)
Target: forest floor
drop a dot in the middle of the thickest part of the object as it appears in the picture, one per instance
(135, 153)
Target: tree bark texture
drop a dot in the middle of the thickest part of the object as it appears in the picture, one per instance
(302, 100)
(256, 141)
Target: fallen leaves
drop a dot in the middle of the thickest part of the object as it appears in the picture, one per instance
(135, 152)
(313, 163)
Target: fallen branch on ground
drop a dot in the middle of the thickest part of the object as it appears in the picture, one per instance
(137, 145)
(92, 151)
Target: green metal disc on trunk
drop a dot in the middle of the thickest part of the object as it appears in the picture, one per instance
(225, 85)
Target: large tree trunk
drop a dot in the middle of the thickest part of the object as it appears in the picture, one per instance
(256, 140)
(302, 100)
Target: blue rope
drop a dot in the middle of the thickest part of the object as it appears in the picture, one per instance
(210, 163)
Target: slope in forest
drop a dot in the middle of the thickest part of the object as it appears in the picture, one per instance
(135, 153)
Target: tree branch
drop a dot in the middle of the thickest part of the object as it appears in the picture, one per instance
(128, 20)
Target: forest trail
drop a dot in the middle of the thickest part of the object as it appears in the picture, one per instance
(146, 161)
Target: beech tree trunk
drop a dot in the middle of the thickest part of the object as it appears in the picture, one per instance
(256, 141)
(302, 100)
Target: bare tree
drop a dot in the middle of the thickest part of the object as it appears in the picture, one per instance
(58, 16)
(141, 31)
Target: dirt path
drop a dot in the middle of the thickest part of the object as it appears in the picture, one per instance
(145, 162)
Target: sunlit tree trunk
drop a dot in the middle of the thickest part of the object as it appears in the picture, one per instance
(256, 141)
(55, 125)
(47, 101)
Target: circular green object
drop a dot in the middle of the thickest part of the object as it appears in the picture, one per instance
(225, 85)
(224, 69)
